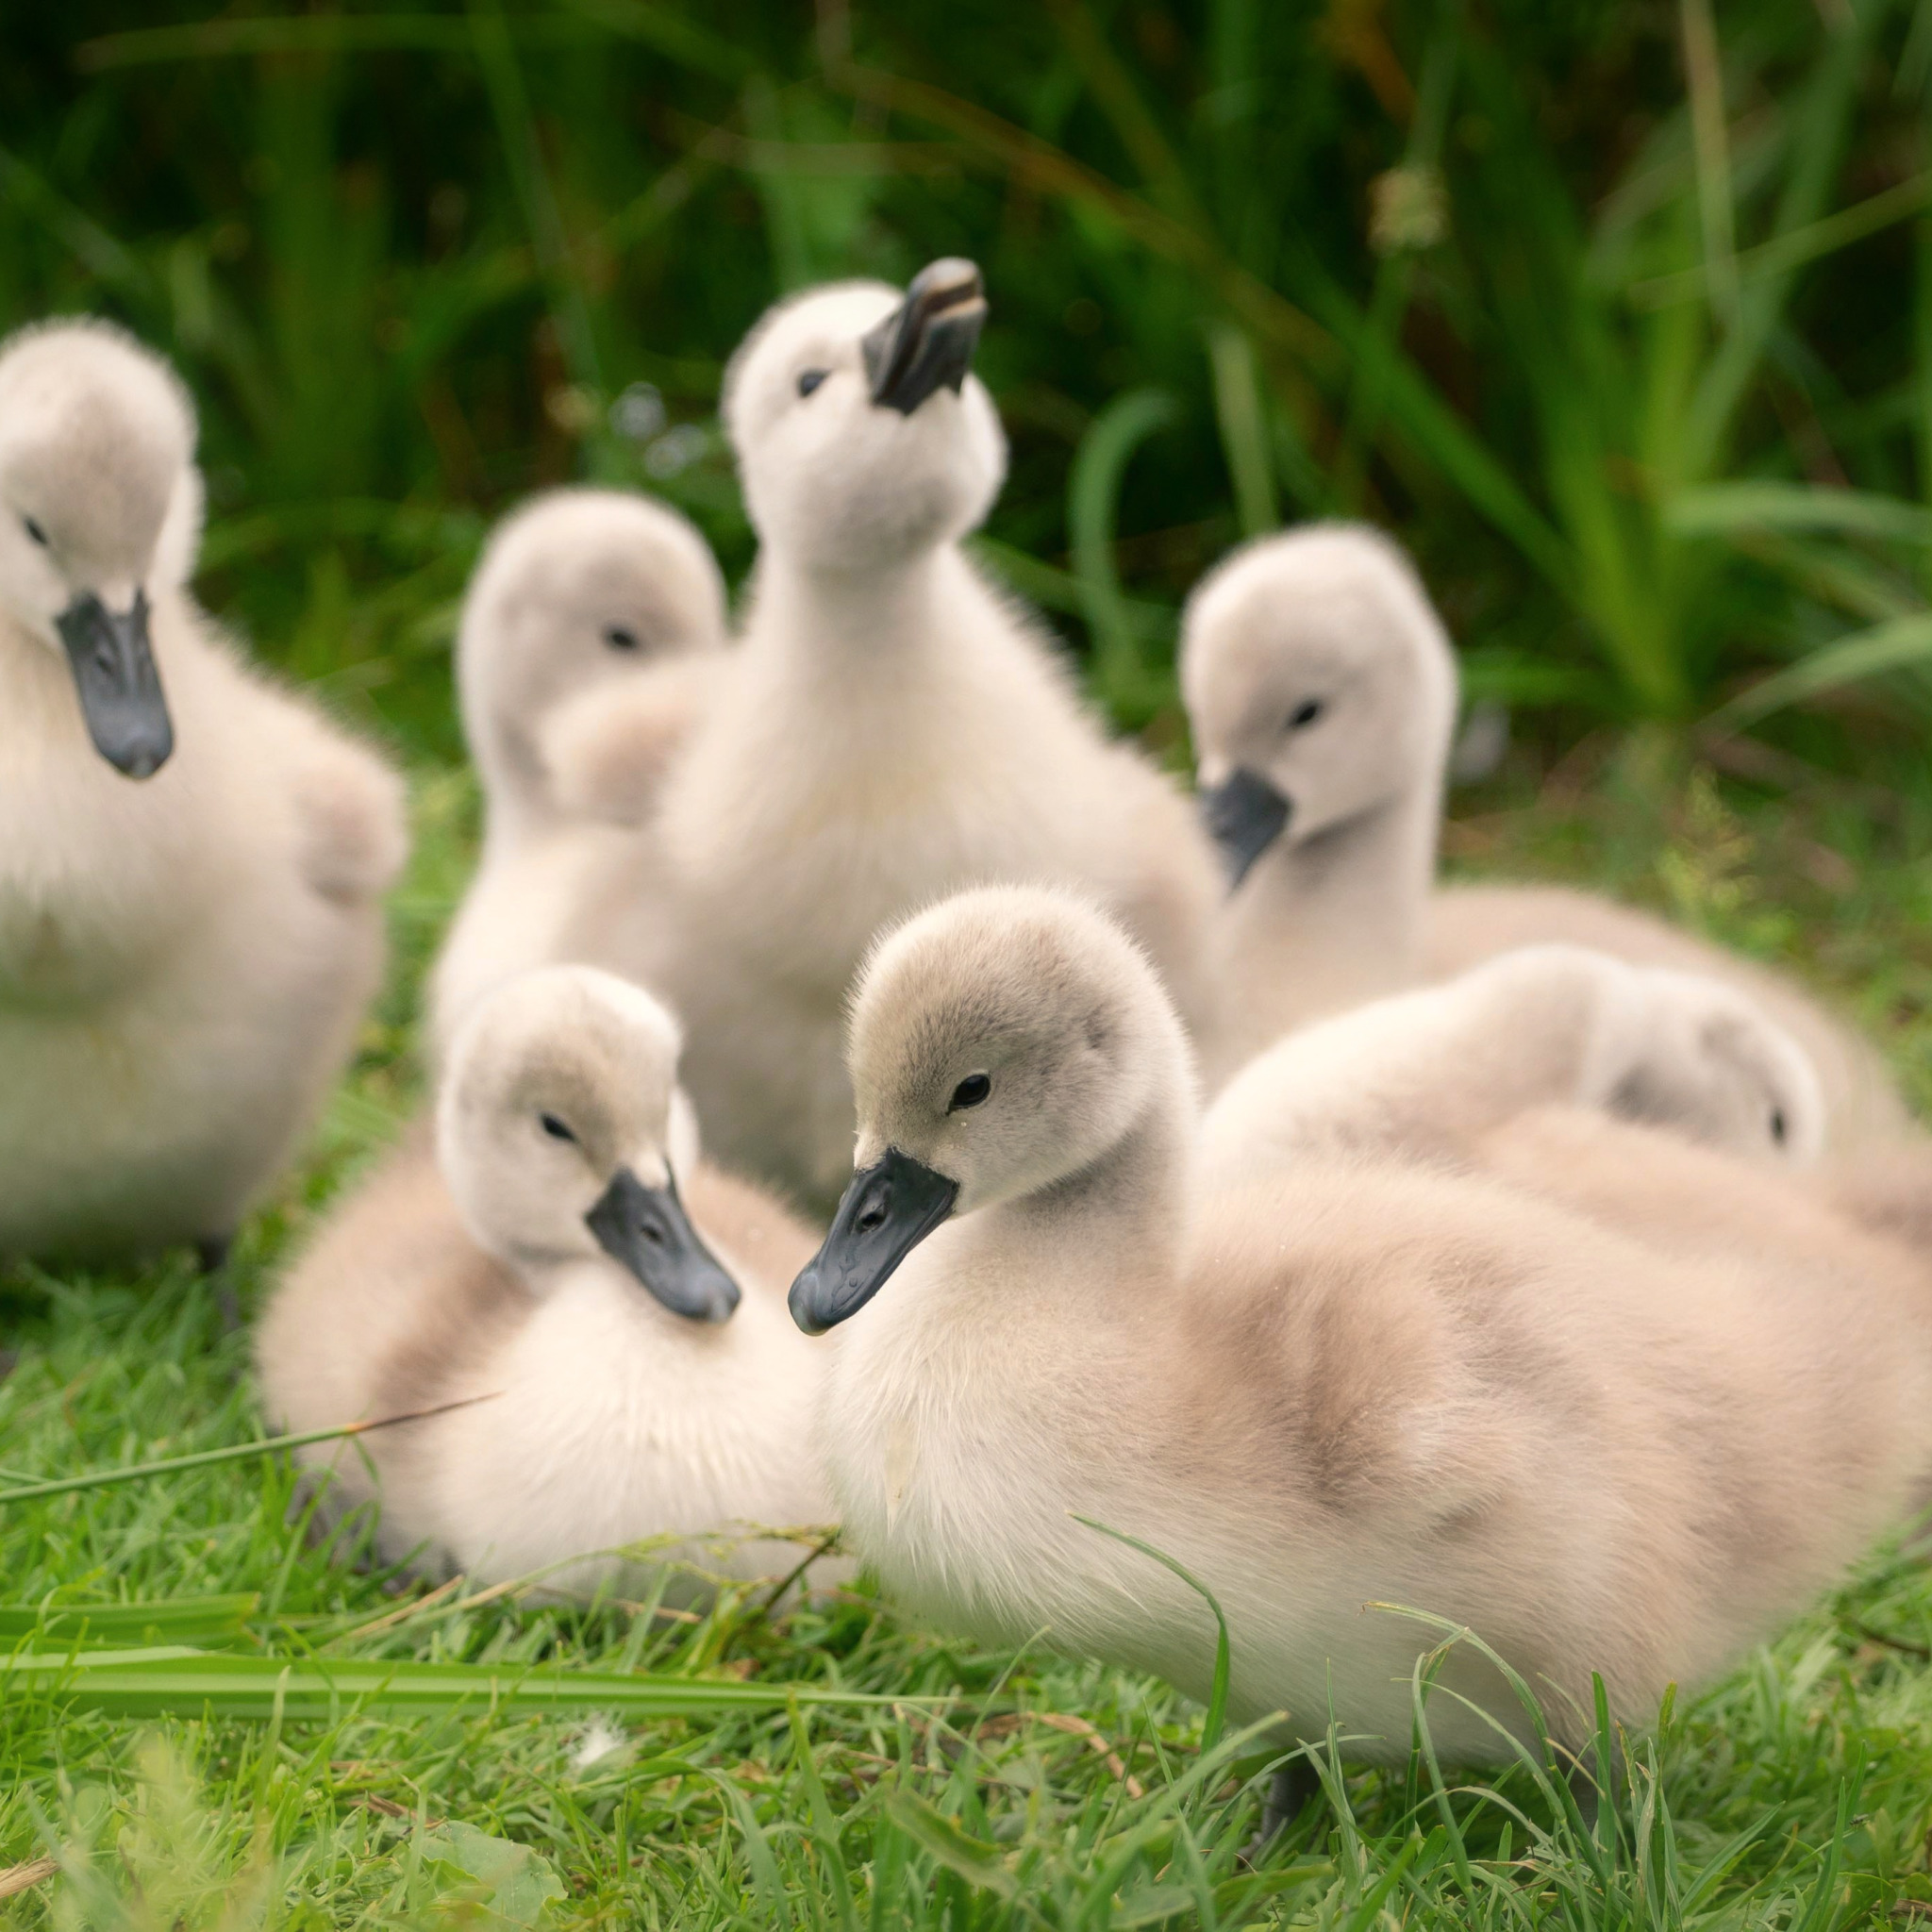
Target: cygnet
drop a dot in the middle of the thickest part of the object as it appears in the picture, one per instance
(1363, 1382)
(1552, 1025)
(1321, 690)
(562, 1251)
(592, 633)
(192, 858)
(894, 727)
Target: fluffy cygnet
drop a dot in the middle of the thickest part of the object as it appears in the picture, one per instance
(894, 727)
(561, 1250)
(591, 633)
(1321, 690)
(1363, 1382)
(191, 857)
(1552, 1025)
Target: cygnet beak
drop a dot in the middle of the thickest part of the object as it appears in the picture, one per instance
(887, 1212)
(928, 341)
(1245, 815)
(113, 663)
(648, 1231)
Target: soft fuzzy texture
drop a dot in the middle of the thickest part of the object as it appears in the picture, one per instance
(893, 728)
(183, 960)
(1363, 1378)
(1341, 907)
(465, 1267)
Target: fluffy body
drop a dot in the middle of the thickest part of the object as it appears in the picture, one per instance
(1360, 1379)
(1543, 1025)
(462, 1266)
(892, 727)
(1341, 908)
(592, 633)
(183, 960)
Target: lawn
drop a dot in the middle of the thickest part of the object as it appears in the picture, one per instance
(978, 1790)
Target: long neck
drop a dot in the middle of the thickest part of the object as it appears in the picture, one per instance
(1327, 923)
(888, 624)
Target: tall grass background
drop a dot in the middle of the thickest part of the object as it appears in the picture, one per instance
(1620, 315)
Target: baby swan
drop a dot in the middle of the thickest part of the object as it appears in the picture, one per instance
(1362, 1381)
(554, 1252)
(1321, 690)
(191, 857)
(1554, 1026)
(591, 632)
(894, 726)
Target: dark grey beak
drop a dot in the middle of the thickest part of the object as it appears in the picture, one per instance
(648, 1229)
(887, 1212)
(1245, 815)
(113, 665)
(928, 341)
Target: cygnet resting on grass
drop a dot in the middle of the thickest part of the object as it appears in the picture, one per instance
(1363, 1382)
(192, 859)
(1432, 1071)
(894, 727)
(563, 1251)
(591, 632)
(1322, 690)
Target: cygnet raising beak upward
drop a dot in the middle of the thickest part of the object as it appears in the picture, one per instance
(647, 1230)
(113, 664)
(928, 341)
(1245, 815)
(888, 1210)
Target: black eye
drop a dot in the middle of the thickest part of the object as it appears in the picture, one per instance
(1306, 713)
(1778, 1129)
(34, 530)
(969, 1092)
(620, 636)
(557, 1129)
(810, 379)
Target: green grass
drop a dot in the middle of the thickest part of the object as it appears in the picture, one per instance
(980, 1789)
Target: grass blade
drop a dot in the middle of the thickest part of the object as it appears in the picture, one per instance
(1216, 1720)
(172, 1682)
(1904, 643)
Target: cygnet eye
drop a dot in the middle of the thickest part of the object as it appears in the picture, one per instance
(1778, 1128)
(34, 530)
(1306, 713)
(620, 636)
(969, 1092)
(557, 1129)
(809, 379)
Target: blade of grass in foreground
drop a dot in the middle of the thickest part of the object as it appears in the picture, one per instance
(237, 1451)
(168, 1682)
(167, 1619)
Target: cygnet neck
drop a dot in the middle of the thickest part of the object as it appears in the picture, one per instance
(885, 614)
(1120, 1221)
(1328, 921)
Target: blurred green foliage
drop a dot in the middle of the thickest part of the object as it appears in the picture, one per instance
(1621, 314)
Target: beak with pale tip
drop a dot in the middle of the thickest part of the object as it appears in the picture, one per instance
(926, 343)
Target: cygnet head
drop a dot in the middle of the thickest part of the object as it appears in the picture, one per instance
(862, 438)
(1713, 1065)
(100, 510)
(1001, 1043)
(1320, 684)
(554, 1130)
(577, 591)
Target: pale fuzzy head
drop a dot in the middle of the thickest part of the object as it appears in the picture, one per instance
(559, 1111)
(98, 492)
(580, 590)
(835, 481)
(1709, 1062)
(1007, 1038)
(1314, 663)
